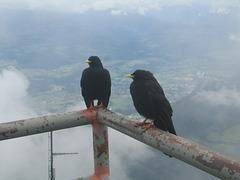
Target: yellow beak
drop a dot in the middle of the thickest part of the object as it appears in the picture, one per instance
(129, 75)
(87, 61)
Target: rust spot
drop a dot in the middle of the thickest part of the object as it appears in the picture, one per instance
(102, 149)
(47, 124)
(96, 127)
(173, 140)
(4, 132)
(96, 136)
(21, 122)
(216, 163)
(90, 115)
(100, 172)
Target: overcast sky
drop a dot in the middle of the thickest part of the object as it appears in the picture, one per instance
(21, 153)
(116, 6)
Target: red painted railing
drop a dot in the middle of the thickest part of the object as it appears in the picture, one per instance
(194, 154)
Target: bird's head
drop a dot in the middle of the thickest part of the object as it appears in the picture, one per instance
(94, 61)
(141, 75)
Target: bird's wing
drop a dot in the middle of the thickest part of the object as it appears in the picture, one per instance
(160, 101)
(163, 108)
(106, 80)
(84, 81)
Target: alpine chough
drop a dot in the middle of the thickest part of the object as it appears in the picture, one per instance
(150, 101)
(95, 83)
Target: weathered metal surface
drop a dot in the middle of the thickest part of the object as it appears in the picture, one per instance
(101, 152)
(45, 124)
(100, 148)
(87, 178)
(201, 157)
(198, 156)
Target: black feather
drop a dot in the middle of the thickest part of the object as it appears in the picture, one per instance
(96, 83)
(150, 101)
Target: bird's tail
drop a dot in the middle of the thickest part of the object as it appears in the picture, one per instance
(165, 125)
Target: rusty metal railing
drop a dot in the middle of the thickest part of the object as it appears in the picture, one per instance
(194, 154)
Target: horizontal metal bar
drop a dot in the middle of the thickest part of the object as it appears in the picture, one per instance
(194, 154)
(45, 124)
(198, 156)
(91, 178)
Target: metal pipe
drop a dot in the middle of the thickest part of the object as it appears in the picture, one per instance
(51, 155)
(88, 178)
(198, 156)
(45, 124)
(194, 154)
(101, 152)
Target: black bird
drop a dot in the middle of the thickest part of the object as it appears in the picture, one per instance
(95, 83)
(150, 101)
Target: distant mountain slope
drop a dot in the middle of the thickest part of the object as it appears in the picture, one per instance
(45, 39)
(212, 107)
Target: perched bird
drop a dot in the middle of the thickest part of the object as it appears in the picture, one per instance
(95, 83)
(150, 101)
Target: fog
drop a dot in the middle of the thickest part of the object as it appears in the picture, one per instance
(191, 47)
(27, 157)
(21, 157)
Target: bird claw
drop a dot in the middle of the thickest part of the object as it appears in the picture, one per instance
(91, 107)
(141, 123)
(100, 105)
(147, 127)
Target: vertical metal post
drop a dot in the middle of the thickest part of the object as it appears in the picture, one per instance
(101, 152)
(51, 155)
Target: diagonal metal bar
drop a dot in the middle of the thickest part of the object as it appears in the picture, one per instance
(44, 124)
(194, 154)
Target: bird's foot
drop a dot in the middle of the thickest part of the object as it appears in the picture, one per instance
(91, 107)
(100, 105)
(148, 126)
(141, 123)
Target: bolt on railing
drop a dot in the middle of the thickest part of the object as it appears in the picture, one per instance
(194, 154)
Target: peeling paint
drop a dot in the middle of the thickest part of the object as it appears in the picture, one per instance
(101, 152)
(91, 115)
(41, 124)
(5, 132)
(194, 154)
(101, 173)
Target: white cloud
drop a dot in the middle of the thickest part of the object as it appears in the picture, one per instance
(142, 10)
(219, 10)
(118, 12)
(13, 95)
(225, 97)
(140, 6)
(234, 37)
(22, 153)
